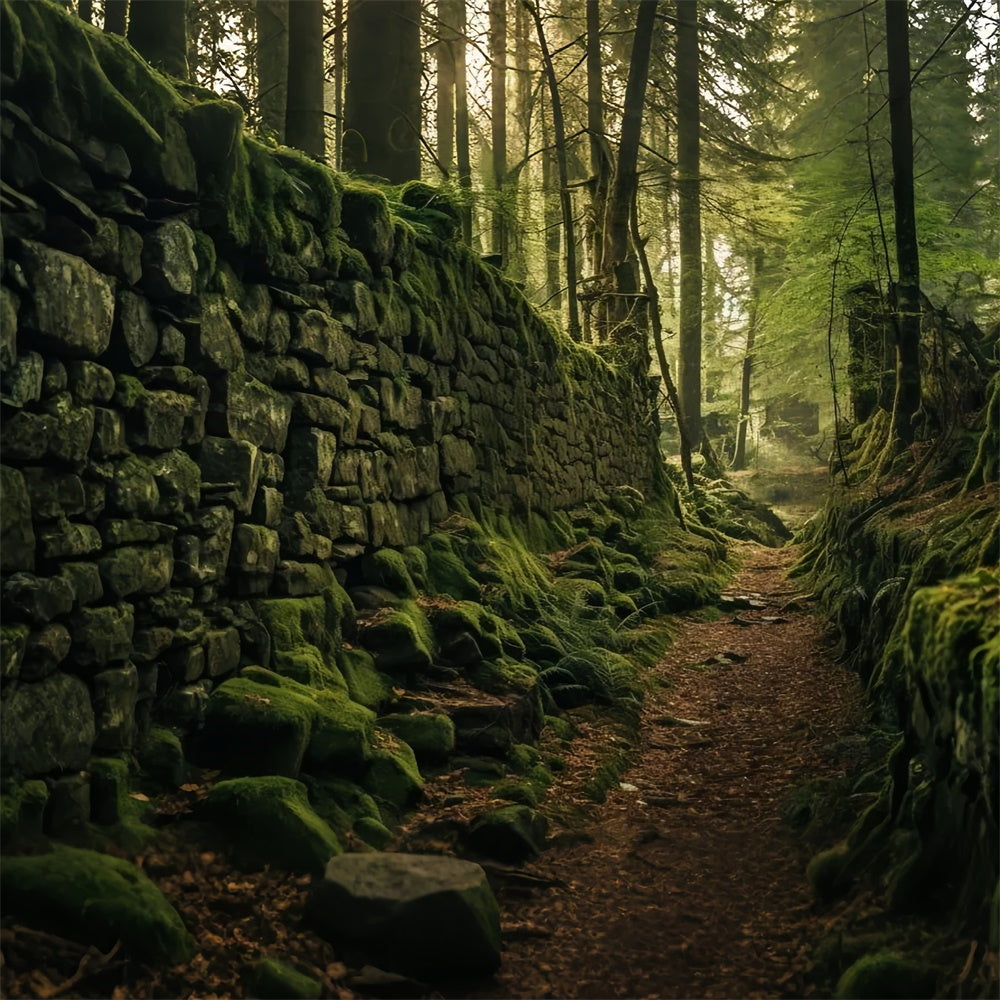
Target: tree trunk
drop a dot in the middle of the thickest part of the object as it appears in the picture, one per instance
(756, 266)
(600, 166)
(444, 51)
(498, 116)
(689, 216)
(553, 224)
(85, 9)
(272, 66)
(907, 291)
(382, 110)
(304, 121)
(338, 83)
(115, 16)
(565, 200)
(518, 268)
(462, 160)
(158, 31)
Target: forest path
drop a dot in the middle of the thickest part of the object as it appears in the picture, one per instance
(692, 885)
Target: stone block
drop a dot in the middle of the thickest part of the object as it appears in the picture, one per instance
(64, 539)
(109, 434)
(67, 811)
(178, 481)
(149, 644)
(233, 466)
(251, 411)
(102, 636)
(25, 436)
(72, 428)
(401, 404)
(267, 507)
(17, 535)
(137, 570)
(222, 651)
(133, 490)
(457, 456)
(22, 381)
(310, 458)
(254, 558)
(135, 331)
(53, 494)
(90, 382)
(169, 262)
(72, 305)
(214, 343)
(46, 649)
(48, 726)
(319, 338)
(115, 695)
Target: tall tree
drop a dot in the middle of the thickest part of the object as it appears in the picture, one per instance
(600, 161)
(444, 50)
(304, 117)
(158, 30)
(462, 159)
(689, 216)
(382, 111)
(338, 83)
(85, 8)
(565, 199)
(753, 312)
(615, 258)
(272, 65)
(498, 120)
(907, 290)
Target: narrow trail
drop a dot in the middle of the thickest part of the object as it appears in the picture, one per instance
(692, 885)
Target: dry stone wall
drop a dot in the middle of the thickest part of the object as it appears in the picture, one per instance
(227, 376)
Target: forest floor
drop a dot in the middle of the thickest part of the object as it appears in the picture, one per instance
(686, 881)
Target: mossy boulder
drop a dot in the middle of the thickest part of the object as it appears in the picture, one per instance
(161, 757)
(426, 915)
(510, 833)
(430, 735)
(270, 979)
(340, 802)
(828, 872)
(400, 638)
(21, 813)
(886, 975)
(91, 897)
(393, 778)
(272, 823)
(365, 683)
(387, 568)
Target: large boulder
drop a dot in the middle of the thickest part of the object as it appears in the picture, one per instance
(424, 915)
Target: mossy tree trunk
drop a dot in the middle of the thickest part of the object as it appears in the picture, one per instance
(382, 106)
(689, 216)
(272, 65)
(907, 291)
(304, 118)
(158, 31)
(85, 8)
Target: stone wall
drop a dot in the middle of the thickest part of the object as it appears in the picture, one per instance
(228, 375)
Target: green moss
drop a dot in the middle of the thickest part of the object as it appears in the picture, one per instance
(562, 727)
(94, 898)
(21, 812)
(273, 980)
(446, 573)
(365, 684)
(393, 778)
(161, 757)
(373, 832)
(415, 560)
(401, 638)
(886, 975)
(504, 676)
(522, 792)
(828, 872)
(272, 822)
(387, 568)
(430, 735)
(339, 802)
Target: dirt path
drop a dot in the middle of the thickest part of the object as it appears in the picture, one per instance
(692, 885)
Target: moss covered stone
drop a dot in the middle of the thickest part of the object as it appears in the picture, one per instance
(373, 832)
(885, 975)
(430, 735)
(273, 822)
(161, 757)
(827, 872)
(340, 802)
(387, 568)
(365, 684)
(400, 638)
(21, 812)
(94, 898)
(393, 778)
(270, 979)
(510, 833)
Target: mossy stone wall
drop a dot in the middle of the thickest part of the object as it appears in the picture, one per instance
(230, 376)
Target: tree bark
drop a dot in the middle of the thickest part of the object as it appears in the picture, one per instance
(552, 216)
(158, 31)
(85, 9)
(689, 216)
(304, 120)
(382, 107)
(600, 166)
(565, 200)
(338, 83)
(115, 16)
(907, 290)
(753, 313)
(444, 51)
(498, 121)
(272, 65)
(462, 159)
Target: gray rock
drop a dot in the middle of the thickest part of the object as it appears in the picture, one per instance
(17, 536)
(35, 598)
(425, 915)
(85, 579)
(310, 457)
(48, 726)
(318, 337)
(133, 490)
(46, 649)
(13, 642)
(72, 306)
(254, 558)
(65, 539)
(184, 707)
(169, 263)
(137, 570)
(90, 382)
(510, 833)
(251, 411)
(109, 434)
(102, 636)
(233, 466)
(115, 694)
(178, 480)
(155, 419)
(22, 381)
(72, 428)
(25, 436)
(457, 456)
(401, 404)
(135, 328)
(215, 343)
(222, 651)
